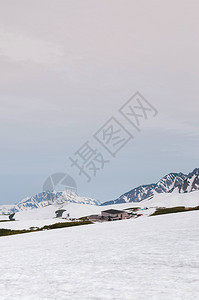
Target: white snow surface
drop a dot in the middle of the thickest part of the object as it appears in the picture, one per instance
(46, 215)
(27, 224)
(172, 199)
(146, 258)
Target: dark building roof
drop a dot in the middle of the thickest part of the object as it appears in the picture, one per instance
(113, 211)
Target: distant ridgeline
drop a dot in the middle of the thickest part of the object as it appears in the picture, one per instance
(173, 182)
(47, 198)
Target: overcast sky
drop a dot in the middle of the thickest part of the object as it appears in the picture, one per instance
(66, 67)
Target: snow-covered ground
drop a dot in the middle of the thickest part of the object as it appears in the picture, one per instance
(46, 215)
(173, 199)
(26, 224)
(146, 258)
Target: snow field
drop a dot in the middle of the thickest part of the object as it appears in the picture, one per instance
(145, 258)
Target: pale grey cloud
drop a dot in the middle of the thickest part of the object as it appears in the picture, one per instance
(67, 66)
(18, 47)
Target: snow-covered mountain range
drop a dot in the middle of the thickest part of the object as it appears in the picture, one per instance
(45, 199)
(173, 182)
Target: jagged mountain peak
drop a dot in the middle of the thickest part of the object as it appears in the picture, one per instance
(169, 183)
(191, 183)
(195, 172)
(48, 198)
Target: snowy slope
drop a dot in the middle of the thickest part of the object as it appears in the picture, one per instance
(144, 259)
(27, 224)
(46, 215)
(172, 182)
(45, 199)
(171, 200)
